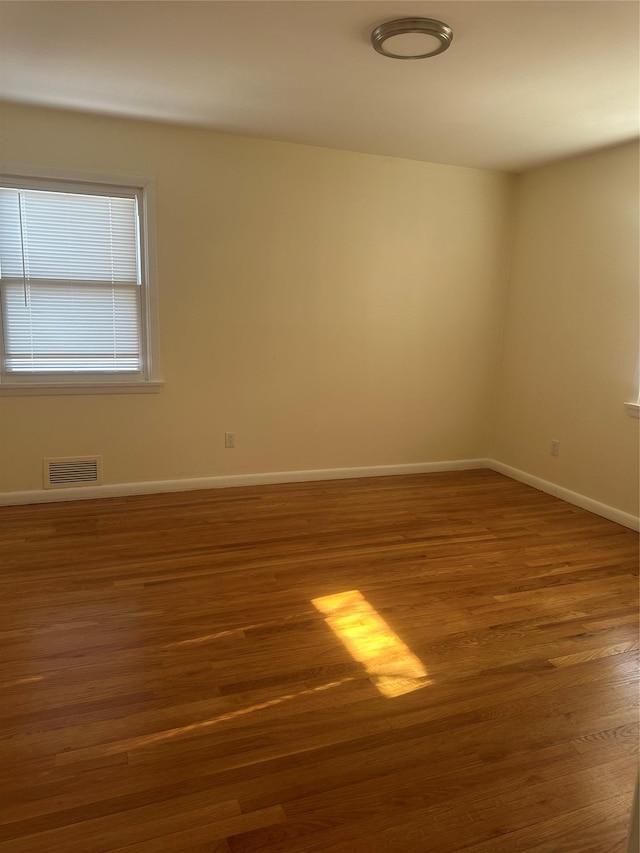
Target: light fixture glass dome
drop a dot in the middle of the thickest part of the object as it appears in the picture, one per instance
(411, 38)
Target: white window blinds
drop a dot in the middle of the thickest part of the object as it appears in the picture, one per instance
(70, 277)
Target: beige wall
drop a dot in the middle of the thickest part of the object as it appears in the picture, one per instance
(334, 309)
(570, 350)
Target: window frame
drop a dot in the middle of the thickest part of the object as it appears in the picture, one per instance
(149, 380)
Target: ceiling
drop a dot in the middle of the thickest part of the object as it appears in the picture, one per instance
(525, 81)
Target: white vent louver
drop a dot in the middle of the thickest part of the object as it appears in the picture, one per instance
(72, 471)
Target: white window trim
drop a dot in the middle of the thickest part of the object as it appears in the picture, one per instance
(152, 382)
(633, 409)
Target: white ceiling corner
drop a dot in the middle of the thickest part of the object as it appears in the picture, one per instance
(525, 81)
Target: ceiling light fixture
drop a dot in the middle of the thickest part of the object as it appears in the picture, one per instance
(411, 38)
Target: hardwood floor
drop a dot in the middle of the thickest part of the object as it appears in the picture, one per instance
(177, 673)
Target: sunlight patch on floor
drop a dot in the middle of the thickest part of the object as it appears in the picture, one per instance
(207, 638)
(27, 680)
(391, 665)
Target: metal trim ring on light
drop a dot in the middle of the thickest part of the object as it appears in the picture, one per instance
(426, 26)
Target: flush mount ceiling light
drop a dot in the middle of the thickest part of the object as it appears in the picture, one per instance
(411, 38)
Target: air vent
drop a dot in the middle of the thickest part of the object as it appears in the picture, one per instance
(72, 471)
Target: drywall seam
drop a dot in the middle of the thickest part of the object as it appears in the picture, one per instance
(515, 214)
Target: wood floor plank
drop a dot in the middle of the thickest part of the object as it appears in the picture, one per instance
(593, 829)
(169, 682)
(129, 827)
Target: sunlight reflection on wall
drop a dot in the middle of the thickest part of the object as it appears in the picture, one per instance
(393, 668)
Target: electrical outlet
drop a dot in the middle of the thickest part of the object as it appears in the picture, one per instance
(555, 447)
(229, 439)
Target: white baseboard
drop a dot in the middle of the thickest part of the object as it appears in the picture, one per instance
(118, 490)
(606, 511)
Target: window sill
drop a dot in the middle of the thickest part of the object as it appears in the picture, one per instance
(45, 389)
(633, 409)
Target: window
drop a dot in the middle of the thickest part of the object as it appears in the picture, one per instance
(75, 290)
